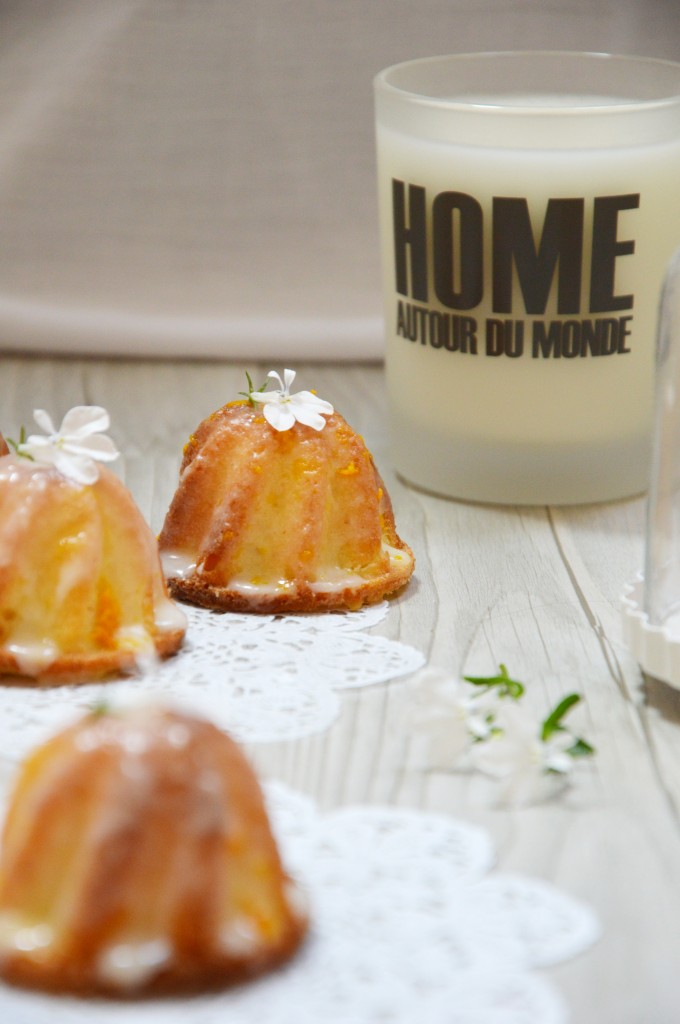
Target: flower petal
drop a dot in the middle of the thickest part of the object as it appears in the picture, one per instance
(38, 448)
(288, 378)
(99, 447)
(309, 418)
(502, 756)
(310, 399)
(78, 468)
(44, 421)
(558, 761)
(279, 415)
(274, 374)
(554, 752)
(37, 441)
(517, 721)
(478, 725)
(266, 397)
(83, 420)
(307, 409)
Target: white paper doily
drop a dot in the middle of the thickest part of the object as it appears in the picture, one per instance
(262, 678)
(409, 923)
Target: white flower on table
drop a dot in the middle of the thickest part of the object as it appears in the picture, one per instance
(484, 726)
(517, 755)
(282, 410)
(76, 447)
(452, 716)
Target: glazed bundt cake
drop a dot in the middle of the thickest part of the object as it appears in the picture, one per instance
(280, 519)
(82, 593)
(137, 858)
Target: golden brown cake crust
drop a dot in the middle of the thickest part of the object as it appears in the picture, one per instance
(4, 450)
(235, 463)
(170, 813)
(82, 593)
(85, 668)
(302, 599)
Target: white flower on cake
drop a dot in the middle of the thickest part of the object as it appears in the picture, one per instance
(76, 447)
(282, 410)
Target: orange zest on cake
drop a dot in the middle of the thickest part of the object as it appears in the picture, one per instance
(137, 858)
(281, 518)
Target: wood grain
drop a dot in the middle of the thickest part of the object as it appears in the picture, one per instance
(535, 588)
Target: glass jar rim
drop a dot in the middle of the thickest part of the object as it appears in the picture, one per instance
(387, 82)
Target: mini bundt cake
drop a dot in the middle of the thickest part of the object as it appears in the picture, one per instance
(82, 592)
(137, 858)
(291, 519)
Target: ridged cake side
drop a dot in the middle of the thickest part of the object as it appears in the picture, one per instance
(137, 857)
(280, 521)
(81, 588)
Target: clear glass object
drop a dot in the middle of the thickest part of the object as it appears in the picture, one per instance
(651, 603)
(529, 206)
(662, 547)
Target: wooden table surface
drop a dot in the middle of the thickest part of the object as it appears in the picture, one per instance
(535, 588)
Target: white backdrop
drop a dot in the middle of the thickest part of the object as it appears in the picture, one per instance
(196, 177)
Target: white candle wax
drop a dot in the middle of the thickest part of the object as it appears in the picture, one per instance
(523, 262)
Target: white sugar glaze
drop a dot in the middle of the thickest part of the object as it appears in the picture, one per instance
(182, 565)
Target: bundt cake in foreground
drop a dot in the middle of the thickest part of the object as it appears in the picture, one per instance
(280, 508)
(137, 858)
(82, 593)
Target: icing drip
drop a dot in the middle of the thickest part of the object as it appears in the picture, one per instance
(169, 617)
(128, 965)
(33, 658)
(181, 566)
(16, 934)
(177, 566)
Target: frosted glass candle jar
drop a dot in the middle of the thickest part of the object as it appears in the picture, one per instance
(529, 205)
